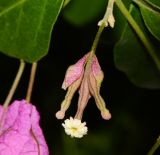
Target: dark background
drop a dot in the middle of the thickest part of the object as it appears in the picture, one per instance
(134, 126)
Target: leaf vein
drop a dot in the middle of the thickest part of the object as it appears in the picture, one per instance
(41, 19)
(8, 9)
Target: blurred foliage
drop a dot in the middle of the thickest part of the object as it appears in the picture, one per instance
(132, 58)
(154, 2)
(149, 13)
(80, 12)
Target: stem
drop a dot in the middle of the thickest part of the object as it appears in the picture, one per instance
(94, 46)
(154, 147)
(139, 32)
(31, 82)
(109, 10)
(12, 90)
(15, 84)
(102, 24)
(97, 37)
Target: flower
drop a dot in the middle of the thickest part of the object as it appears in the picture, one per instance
(75, 128)
(20, 133)
(87, 79)
(108, 18)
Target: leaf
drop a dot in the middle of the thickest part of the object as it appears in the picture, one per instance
(120, 20)
(132, 58)
(151, 18)
(25, 27)
(81, 12)
(66, 2)
(155, 3)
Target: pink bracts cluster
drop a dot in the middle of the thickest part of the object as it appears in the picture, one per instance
(87, 80)
(20, 133)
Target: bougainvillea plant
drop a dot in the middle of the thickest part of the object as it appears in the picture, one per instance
(25, 34)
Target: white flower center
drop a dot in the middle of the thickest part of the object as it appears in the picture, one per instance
(75, 128)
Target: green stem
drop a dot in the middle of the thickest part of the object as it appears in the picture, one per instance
(97, 37)
(94, 46)
(102, 24)
(15, 84)
(154, 147)
(139, 32)
(31, 82)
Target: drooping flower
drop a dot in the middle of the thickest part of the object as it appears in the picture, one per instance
(88, 81)
(20, 133)
(75, 128)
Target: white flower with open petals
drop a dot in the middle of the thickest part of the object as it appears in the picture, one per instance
(75, 128)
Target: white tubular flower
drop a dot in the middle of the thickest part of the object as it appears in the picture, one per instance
(75, 128)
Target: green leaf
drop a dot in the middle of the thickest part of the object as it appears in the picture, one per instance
(151, 18)
(155, 3)
(120, 20)
(66, 2)
(25, 27)
(132, 58)
(80, 12)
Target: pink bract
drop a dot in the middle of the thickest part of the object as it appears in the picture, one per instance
(20, 133)
(97, 72)
(74, 72)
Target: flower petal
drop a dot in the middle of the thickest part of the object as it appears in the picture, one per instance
(96, 70)
(95, 91)
(67, 101)
(16, 139)
(17, 116)
(84, 96)
(74, 72)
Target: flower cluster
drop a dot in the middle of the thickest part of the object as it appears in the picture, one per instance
(20, 133)
(75, 128)
(87, 80)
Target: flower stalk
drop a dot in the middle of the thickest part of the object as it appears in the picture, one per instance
(14, 85)
(154, 147)
(102, 24)
(12, 90)
(31, 82)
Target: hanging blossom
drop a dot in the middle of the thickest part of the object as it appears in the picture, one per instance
(87, 80)
(20, 133)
